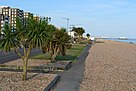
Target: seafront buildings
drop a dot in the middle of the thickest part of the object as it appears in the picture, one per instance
(26, 16)
(9, 15)
(4, 16)
(14, 13)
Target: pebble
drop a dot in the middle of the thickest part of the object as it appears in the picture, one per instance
(11, 81)
(110, 66)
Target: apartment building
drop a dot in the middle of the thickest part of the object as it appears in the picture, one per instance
(0, 18)
(9, 15)
(4, 16)
(37, 18)
(14, 14)
(27, 15)
(0, 21)
(5, 10)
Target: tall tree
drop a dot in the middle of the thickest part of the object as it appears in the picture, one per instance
(79, 31)
(28, 38)
(59, 42)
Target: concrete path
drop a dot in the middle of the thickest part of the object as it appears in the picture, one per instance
(10, 56)
(70, 79)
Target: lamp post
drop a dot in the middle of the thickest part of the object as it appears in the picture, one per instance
(49, 19)
(67, 22)
(71, 27)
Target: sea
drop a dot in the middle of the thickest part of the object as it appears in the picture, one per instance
(128, 40)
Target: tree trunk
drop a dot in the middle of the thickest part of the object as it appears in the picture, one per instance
(54, 54)
(25, 62)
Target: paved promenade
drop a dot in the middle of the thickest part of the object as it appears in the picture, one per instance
(10, 56)
(70, 79)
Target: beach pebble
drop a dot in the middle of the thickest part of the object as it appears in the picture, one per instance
(110, 66)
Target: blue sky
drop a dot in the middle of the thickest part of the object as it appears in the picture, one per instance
(98, 17)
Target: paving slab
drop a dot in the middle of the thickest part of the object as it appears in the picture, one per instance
(70, 79)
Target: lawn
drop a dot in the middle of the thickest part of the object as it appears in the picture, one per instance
(71, 54)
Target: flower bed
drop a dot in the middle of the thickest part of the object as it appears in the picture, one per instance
(11, 81)
(35, 65)
(31, 62)
(58, 66)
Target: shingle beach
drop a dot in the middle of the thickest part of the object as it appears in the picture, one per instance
(110, 66)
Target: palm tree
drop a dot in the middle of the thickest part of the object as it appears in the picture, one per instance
(9, 41)
(50, 32)
(28, 38)
(60, 43)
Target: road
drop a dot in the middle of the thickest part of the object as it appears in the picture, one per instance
(10, 56)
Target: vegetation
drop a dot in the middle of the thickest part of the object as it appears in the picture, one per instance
(26, 38)
(88, 35)
(37, 33)
(58, 44)
(71, 54)
(79, 31)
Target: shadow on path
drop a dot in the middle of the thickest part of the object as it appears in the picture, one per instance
(70, 79)
(11, 56)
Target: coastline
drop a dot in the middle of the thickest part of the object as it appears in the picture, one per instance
(131, 41)
(110, 66)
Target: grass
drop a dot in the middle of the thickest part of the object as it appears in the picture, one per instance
(42, 56)
(71, 54)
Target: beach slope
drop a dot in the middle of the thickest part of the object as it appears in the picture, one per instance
(110, 66)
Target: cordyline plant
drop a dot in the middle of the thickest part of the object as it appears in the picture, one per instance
(58, 43)
(32, 36)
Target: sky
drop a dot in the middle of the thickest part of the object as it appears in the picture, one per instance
(110, 18)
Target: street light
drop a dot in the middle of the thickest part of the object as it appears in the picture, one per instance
(67, 22)
(48, 19)
(71, 27)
